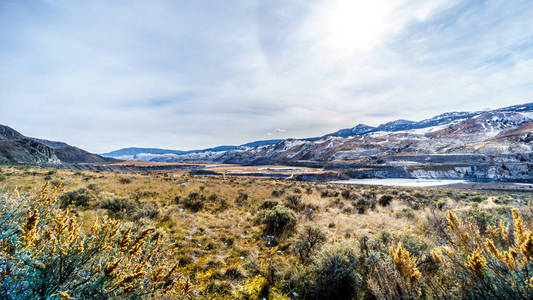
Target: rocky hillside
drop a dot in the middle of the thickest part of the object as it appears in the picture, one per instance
(495, 144)
(16, 148)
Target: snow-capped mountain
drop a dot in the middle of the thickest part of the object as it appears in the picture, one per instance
(448, 138)
(457, 133)
(149, 154)
(483, 144)
(358, 129)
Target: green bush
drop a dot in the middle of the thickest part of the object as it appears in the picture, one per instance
(233, 273)
(267, 204)
(242, 198)
(194, 201)
(138, 195)
(362, 205)
(345, 194)
(333, 274)
(385, 200)
(477, 198)
(309, 240)
(148, 210)
(222, 204)
(213, 197)
(119, 207)
(93, 187)
(124, 180)
(279, 221)
(405, 213)
(278, 193)
(329, 193)
(80, 198)
(294, 202)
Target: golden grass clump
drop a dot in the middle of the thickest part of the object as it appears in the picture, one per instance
(405, 264)
(29, 230)
(124, 240)
(111, 267)
(476, 263)
(493, 250)
(453, 221)
(64, 295)
(527, 246)
(519, 232)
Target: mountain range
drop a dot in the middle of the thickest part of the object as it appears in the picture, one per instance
(501, 131)
(487, 145)
(492, 144)
(148, 154)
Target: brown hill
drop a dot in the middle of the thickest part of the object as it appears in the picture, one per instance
(16, 148)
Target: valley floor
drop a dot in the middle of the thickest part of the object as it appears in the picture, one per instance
(252, 237)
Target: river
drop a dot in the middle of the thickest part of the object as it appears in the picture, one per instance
(409, 182)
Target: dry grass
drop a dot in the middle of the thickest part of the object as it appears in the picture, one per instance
(219, 243)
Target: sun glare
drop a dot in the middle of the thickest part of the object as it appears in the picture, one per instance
(346, 27)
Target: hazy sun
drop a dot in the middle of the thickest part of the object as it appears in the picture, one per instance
(347, 27)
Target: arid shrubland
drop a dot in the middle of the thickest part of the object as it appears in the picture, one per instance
(206, 237)
(45, 253)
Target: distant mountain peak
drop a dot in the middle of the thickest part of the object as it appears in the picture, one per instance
(356, 130)
(8, 133)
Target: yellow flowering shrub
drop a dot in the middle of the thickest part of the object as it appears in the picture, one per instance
(45, 253)
(496, 262)
(405, 264)
(255, 288)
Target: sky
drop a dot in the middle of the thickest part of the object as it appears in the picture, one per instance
(104, 75)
